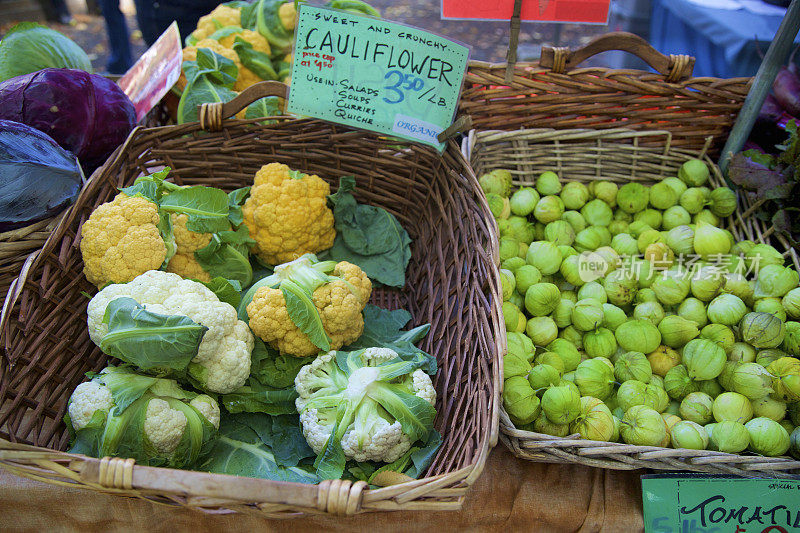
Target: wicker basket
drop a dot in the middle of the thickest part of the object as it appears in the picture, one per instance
(16, 245)
(619, 156)
(452, 283)
(553, 93)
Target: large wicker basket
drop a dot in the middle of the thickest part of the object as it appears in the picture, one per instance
(452, 283)
(554, 93)
(619, 156)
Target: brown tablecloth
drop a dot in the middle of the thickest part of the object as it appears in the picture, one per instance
(511, 495)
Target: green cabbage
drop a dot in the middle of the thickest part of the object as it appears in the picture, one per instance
(28, 47)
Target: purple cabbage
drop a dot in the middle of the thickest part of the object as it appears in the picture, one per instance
(39, 177)
(86, 114)
(787, 91)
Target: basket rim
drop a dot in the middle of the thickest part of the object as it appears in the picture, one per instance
(339, 497)
(534, 67)
(573, 449)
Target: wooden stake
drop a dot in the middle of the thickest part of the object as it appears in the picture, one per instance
(511, 56)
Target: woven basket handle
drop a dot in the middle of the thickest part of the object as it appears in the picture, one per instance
(211, 115)
(674, 67)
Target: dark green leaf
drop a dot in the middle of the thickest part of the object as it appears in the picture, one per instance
(423, 457)
(283, 434)
(206, 207)
(149, 340)
(248, 15)
(87, 440)
(383, 328)
(216, 67)
(150, 186)
(304, 314)
(236, 199)
(226, 255)
(269, 106)
(274, 369)
(369, 237)
(239, 451)
(258, 62)
(227, 290)
(200, 90)
(257, 398)
(269, 24)
(361, 471)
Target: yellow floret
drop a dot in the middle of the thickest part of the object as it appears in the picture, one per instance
(187, 267)
(288, 217)
(339, 303)
(246, 78)
(288, 15)
(224, 47)
(270, 320)
(187, 242)
(223, 15)
(121, 241)
(259, 42)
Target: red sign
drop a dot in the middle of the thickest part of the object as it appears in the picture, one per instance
(155, 73)
(584, 11)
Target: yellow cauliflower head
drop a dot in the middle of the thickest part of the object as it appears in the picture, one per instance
(288, 15)
(222, 15)
(187, 242)
(340, 307)
(246, 76)
(288, 216)
(121, 240)
(259, 42)
(187, 267)
(339, 302)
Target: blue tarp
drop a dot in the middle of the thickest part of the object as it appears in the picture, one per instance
(723, 41)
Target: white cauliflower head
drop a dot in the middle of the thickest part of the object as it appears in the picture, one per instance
(163, 426)
(87, 398)
(367, 432)
(208, 407)
(222, 363)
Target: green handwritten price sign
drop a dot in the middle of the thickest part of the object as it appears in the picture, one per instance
(374, 74)
(693, 504)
